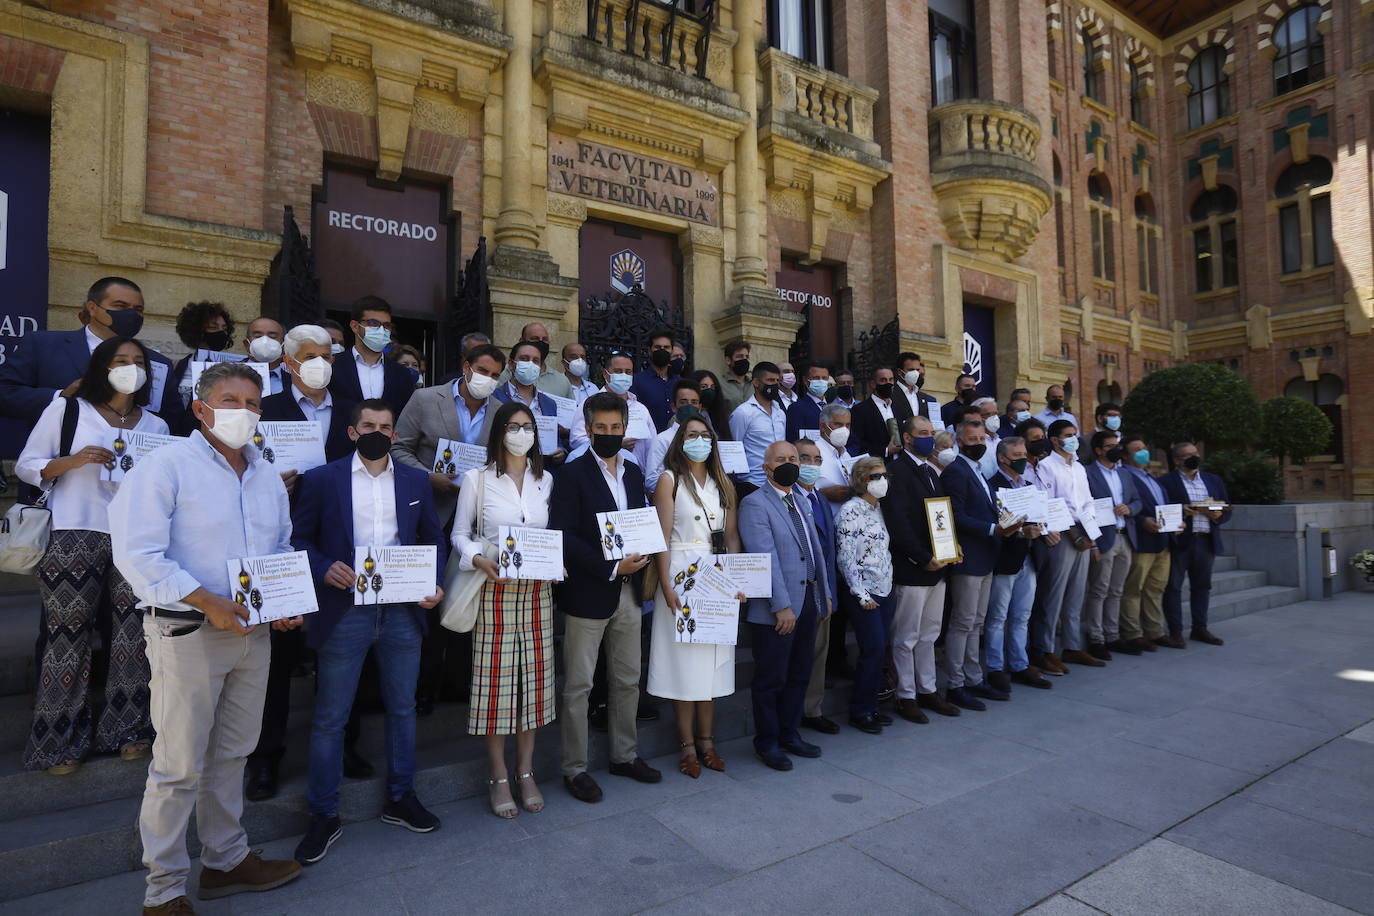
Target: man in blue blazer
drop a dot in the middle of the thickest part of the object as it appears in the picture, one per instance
(1110, 561)
(363, 500)
(1196, 546)
(970, 584)
(774, 520)
(599, 598)
(805, 413)
(363, 371)
(1142, 602)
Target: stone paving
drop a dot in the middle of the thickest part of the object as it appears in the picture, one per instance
(1237, 779)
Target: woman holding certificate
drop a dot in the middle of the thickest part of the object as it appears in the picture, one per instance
(512, 642)
(696, 506)
(75, 440)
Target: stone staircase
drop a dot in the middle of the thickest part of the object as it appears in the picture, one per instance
(58, 831)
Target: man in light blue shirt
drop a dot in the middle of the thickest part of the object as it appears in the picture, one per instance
(760, 421)
(1055, 408)
(182, 517)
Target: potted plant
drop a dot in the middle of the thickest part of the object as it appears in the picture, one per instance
(1364, 562)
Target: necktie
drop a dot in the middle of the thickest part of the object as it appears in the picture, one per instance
(820, 514)
(800, 528)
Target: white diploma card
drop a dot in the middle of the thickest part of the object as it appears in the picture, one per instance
(273, 587)
(1169, 517)
(159, 372)
(454, 457)
(290, 445)
(567, 410)
(640, 428)
(217, 356)
(940, 519)
(1058, 517)
(813, 434)
(529, 553)
(1030, 503)
(129, 447)
(198, 366)
(630, 532)
(709, 610)
(548, 434)
(936, 424)
(732, 457)
(752, 573)
(394, 575)
(1105, 508)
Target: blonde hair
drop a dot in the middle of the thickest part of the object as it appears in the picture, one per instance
(858, 474)
(943, 440)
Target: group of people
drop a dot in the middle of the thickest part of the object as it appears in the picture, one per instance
(835, 494)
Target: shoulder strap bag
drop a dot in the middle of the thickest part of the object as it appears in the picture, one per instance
(463, 587)
(26, 529)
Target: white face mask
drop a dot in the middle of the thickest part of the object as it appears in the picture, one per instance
(912, 377)
(992, 424)
(264, 349)
(481, 386)
(946, 456)
(316, 372)
(839, 437)
(127, 379)
(578, 367)
(877, 488)
(234, 426)
(518, 443)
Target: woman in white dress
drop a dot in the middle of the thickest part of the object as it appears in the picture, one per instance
(696, 505)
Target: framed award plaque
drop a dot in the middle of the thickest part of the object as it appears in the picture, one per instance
(944, 543)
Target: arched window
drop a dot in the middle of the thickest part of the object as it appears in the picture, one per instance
(1216, 258)
(1147, 235)
(1300, 54)
(1100, 216)
(953, 71)
(1305, 216)
(1092, 65)
(1325, 393)
(1137, 83)
(1209, 88)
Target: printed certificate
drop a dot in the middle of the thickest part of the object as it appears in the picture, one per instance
(1031, 503)
(1105, 508)
(129, 446)
(291, 445)
(394, 575)
(632, 531)
(567, 410)
(273, 587)
(732, 457)
(159, 371)
(529, 553)
(548, 434)
(1170, 517)
(197, 366)
(1058, 517)
(940, 519)
(751, 573)
(709, 611)
(453, 457)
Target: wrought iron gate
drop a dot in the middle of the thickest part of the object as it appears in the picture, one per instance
(469, 311)
(875, 349)
(623, 322)
(292, 288)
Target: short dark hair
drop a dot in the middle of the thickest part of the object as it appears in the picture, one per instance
(908, 355)
(1127, 440)
(1027, 425)
(477, 352)
(102, 286)
(962, 376)
(95, 387)
(527, 343)
(1103, 408)
(193, 317)
(765, 367)
(1102, 435)
(1058, 426)
(329, 324)
(604, 402)
(656, 334)
(369, 304)
(496, 442)
(964, 411)
(810, 364)
(734, 345)
(376, 404)
(684, 383)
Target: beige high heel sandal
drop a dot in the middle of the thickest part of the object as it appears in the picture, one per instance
(503, 810)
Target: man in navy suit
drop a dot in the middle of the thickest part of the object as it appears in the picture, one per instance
(774, 520)
(363, 500)
(1142, 601)
(1196, 546)
(910, 399)
(870, 433)
(806, 412)
(970, 584)
(599, 598)
(363, 371)
(1110, 560)
(809, 454)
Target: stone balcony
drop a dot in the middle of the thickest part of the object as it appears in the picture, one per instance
(818, 107)
(983, 168)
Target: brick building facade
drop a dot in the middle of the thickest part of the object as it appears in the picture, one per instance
(1059, 191)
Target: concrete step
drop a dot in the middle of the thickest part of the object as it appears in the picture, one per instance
(1248, 601)
(1224, 583)
(1225, 563)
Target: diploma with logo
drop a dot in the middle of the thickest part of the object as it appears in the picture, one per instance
(1058, 517)
(1031, 503)
(129, 446)
(944, 543)
(548, 434)
(529, 553)
(709, 611)
(1169, 517)
(394, 575)
(197, 366)
(629, 532)
(291, 445)
(732, 457)
(752, 573)
(273, 587)
(1105, 507)
(453, 457)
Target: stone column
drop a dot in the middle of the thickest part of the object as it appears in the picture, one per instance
(515, 225)
(750, 266)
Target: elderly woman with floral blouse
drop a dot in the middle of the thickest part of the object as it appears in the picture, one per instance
(865, 565)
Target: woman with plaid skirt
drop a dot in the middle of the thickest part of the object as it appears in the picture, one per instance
(512, 642)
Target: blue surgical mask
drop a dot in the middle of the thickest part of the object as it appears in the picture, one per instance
(527, 372)
(1113, 423)
(923, 445)
(619, 382)
(1022, 416)
(697, 450)
(1070, 444)
(377, 339)
(818, 387)
(809, 474)
(1142, 456)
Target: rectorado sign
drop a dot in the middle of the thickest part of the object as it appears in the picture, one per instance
(599, 172)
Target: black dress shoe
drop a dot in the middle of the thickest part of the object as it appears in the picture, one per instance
(582, 787)
(909, 709)
(1031, 679)
(964, 700)
(868, 723)
(424, 703)
(638, 770)
(934, 703)
(999, 680)
(989, 692)
(775, 759)
(1202, 634)
(262, 782)
(1099, 651)
(1124, 647)
(598, 717)
(883, 719)
(821, 724)
(355, 766)
(799, 748)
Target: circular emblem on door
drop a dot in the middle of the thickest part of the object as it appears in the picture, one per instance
(973, 357)
(627, 270)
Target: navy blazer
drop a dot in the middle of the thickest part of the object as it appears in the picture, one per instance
(1177, 492)
(1097, 485)
(974, 511)
(903, 408)
(868, 433)
(904, 511)
(397, 382)
(804, 414)
(591, 591)
(765, 527)
(1142, 539)
(825, 526)
(48, 361)
(322, 526)
(1012, 555)
(283, 406)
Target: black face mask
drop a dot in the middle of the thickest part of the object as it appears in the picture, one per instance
(843, 393)
(543, 346)
(708, 398)
(126, 322)
(740, 367)
(215, 340)
(1192, 463)
(1018, 465)
(373, 445)
(884, 390)
(1114, 453)
(1039, 448)
(975, 452)
(785, 475)
(686, 412)
(770, 392)
(968, 394)
(921, 382)
(660, 358)
(1056, 403)
(677, 366)
(606, 446)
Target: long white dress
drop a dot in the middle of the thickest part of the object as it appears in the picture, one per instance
(689, 671)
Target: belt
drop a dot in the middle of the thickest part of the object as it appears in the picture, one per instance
(195, 616)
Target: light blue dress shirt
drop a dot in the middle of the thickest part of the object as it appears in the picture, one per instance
(320, 414)
(468, 424)
(757, 429)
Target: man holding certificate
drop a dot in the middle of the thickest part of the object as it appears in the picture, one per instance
(1111, 557)
(364, 501)
(1205, 510)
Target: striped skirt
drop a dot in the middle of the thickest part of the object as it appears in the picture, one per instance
(512, 659)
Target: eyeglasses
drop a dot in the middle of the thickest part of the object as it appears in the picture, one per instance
(689, 437)
(519, 427)
(374, 323)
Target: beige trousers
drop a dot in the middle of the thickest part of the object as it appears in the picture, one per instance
(815, 690)
(916, 616)
(1142, 608)
(582, 639)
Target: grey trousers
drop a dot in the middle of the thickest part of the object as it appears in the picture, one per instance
(1106, 583)
(582, 639)
(815, 689)
(1064, 583)
(968, 607)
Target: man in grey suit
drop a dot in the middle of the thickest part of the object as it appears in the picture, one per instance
(773, 520)
(1111, 556)
(460, 410)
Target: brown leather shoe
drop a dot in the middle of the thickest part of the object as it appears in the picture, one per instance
(1202, 634)
(1144, 645)
(254, 873)
(935, 703)
(179, 906)
(909, 709)
(1079, 657)
(1054, 666)
(1172, 641)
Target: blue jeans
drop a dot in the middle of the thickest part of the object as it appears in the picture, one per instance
(1009, 610)
(870, 631)
(395, 631)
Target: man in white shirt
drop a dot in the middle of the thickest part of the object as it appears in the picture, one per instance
(992, 422)
(180, 517)
(1054, 407)
(787, 384)
(761, 420)
(263, 344)
(639, 433)
(846, 394)
(1111, 557)
(576, 370)
(686, 402)
(835, 461)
